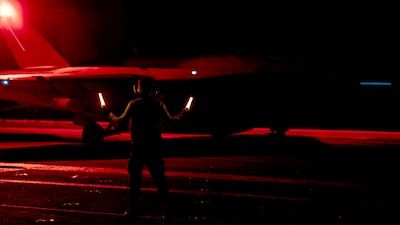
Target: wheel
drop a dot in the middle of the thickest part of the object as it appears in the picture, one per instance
(93, 134)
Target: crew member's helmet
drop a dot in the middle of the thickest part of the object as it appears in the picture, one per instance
(144, 86)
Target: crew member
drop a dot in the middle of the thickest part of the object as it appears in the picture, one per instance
(146, 114)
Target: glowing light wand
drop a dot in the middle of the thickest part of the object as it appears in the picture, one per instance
(189, 103)
(102, 102)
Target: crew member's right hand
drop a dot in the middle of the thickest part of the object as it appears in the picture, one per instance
(105, 110)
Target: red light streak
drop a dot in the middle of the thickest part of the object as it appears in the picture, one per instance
(148, 189)
(228, 177)
(16, 38)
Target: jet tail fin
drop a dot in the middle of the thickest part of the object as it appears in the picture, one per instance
(30, 48)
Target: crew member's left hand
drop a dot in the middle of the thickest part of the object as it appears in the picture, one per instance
(185, 110)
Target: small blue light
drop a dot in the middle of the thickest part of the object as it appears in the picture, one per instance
(5, 82)
(376, 83)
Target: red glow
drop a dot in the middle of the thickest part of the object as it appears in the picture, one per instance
(10, 14)
(197, 175)
(67, 129)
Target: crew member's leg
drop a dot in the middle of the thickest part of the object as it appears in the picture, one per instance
(135, 167)
(157, 170)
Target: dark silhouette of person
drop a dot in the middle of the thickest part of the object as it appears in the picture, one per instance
(146, 114)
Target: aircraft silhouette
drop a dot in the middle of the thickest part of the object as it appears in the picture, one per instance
(232, 93)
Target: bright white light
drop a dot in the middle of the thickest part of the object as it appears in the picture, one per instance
(189, 103)
(194, 72)
(5, 82)
(102, 102)
(6, 10)
(10, 14)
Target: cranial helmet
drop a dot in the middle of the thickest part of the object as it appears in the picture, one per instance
(144, 86)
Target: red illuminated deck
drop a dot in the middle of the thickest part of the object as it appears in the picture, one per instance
(66, 129)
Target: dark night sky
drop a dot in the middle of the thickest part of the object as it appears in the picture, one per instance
(340, 36)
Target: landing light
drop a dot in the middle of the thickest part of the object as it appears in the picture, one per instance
(5, 82)
(194, 72)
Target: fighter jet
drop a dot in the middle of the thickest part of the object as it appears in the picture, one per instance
(232, 93)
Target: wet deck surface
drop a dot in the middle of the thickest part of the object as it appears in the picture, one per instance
(308, 177)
